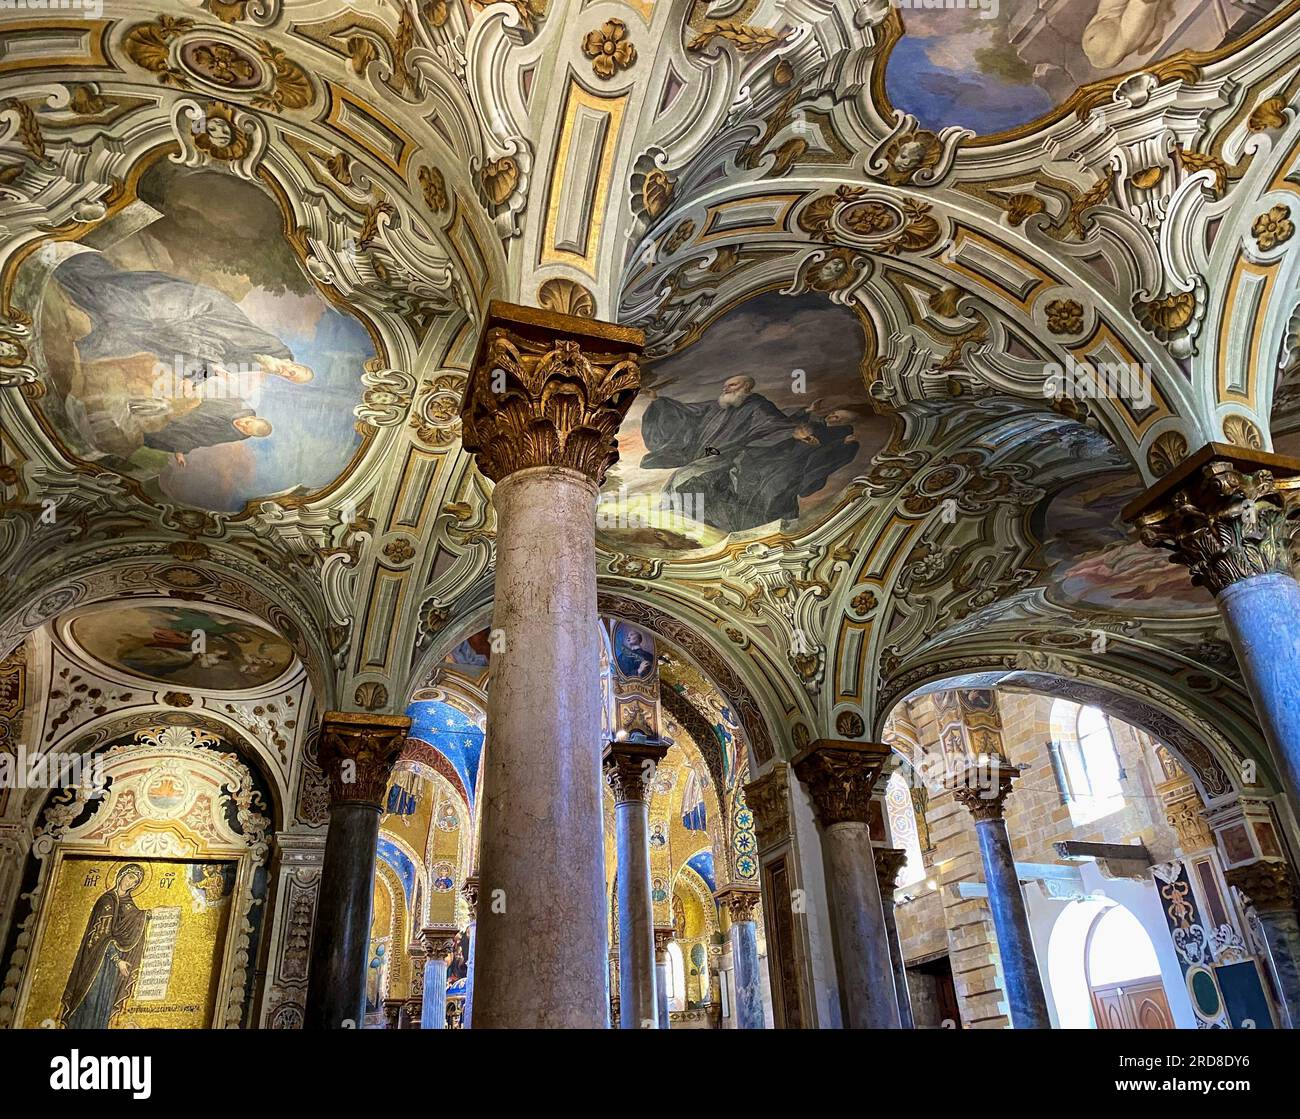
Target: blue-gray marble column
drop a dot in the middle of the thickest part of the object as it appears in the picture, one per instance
(839, 776)
(747, 991)
(1262, 617)
(629, 767)
(1226, 513)
(1267, 883)
(356, 752)
(983, 789)
(439, 942)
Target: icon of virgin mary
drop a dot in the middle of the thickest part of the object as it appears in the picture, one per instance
(104, 969)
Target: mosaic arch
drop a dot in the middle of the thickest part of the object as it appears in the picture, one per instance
(187, 349)
(995, 67)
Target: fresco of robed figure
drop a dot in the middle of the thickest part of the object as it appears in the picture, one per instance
(992, 66)
(193, 353)
(761, 422)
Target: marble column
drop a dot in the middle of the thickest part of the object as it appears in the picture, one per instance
(544, 402)
(1271, 890)
(470, 892)
(982, 787)
(438, 942)
(889, 861)
(747, 995)
(1223, 513)
(629, 769)
(663, 936)
(356, 752)
(839, 776)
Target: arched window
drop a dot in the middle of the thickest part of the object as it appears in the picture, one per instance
(1087, 765)
(902, 827)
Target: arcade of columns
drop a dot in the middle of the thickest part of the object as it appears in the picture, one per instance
(547, 395)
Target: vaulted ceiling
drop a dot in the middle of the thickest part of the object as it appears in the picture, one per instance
(925, 212)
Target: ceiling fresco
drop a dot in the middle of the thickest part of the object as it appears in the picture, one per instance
(187, 348)
(993, 65)
(1093, 560)
(183, 646)
(759, 424)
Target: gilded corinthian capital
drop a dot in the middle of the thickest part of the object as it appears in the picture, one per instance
(549, 390)
(357, 751)
(840, 776)
(629, 768)
(1226, 514)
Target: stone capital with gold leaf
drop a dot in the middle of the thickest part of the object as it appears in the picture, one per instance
(889, 864)
(740, 901)
(629, 767)
(1226, 514)
(840, 776)
(357, 751)
(1267, 882)
(982, 785)
(549, 389)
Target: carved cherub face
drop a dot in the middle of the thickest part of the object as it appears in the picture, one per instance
(220, 134)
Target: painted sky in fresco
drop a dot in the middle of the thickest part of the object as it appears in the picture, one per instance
(991, 69)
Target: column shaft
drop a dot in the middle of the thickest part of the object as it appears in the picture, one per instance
(861, 942)
(636, 952)
(336, 990)
(749, 985)
(1025, 998)
(889, 861)
(541, 926)
(356, 752)
(433, 1014)
(1262, 616)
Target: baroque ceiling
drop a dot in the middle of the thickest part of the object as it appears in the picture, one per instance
(247, 246)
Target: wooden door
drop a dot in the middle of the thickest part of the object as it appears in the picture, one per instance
(1139, 1004)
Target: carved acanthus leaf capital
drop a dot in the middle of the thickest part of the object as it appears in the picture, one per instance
(1226, 515)
(840, 776)
(768, 797)
(982, 786)
(630, 767)
(469, 891)
(1268, 884)
(438, 940)
(889, 862)
(357, 751)
(549, 390)
(741, 901)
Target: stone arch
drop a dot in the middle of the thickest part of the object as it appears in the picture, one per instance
(186, 571)
(716, 666)
(1210, 757)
